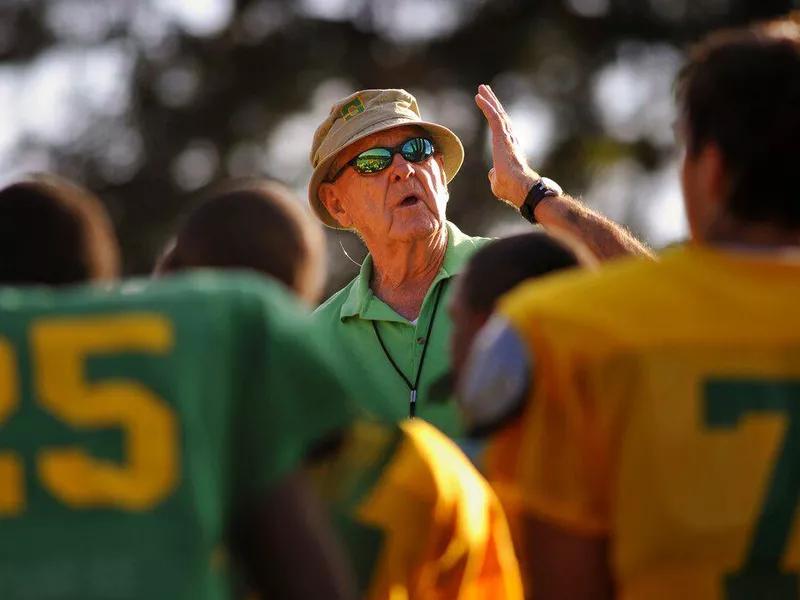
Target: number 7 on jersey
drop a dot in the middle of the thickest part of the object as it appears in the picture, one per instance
(726, 404)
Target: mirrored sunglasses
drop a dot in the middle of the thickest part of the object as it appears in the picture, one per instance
(414, 150)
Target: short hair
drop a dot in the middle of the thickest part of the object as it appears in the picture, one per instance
(53, 232)
(740, 90)
(503, 264)
(251, 224)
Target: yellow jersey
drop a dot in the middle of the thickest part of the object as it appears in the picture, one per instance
(417, 519)
(663, 410)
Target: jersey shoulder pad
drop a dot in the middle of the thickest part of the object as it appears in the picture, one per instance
(497, 376)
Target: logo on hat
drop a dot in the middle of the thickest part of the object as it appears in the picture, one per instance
(352, 108)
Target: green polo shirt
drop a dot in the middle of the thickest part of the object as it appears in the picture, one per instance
(348, 316)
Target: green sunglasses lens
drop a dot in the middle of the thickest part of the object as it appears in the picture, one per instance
(377, 159)
(416, 149)
(373, 160)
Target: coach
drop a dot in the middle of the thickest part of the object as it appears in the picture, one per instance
(381, 171)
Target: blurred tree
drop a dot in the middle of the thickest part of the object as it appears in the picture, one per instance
(236, 87)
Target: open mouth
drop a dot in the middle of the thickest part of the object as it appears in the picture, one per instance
(409, 200)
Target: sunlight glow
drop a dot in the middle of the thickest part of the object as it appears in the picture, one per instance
(633, 95)
(203, 18)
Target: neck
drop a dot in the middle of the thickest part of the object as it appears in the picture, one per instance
(402, 272)
(761, 236)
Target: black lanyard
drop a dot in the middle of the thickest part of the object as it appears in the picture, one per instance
(412, 407)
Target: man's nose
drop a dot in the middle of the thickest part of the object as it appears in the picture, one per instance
(401, 168)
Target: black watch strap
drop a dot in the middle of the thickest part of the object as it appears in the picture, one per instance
(536, 194)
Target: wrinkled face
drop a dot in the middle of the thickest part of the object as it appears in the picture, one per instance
(466, 325)
(405, 201)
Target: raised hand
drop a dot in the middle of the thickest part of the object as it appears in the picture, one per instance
(511, 177)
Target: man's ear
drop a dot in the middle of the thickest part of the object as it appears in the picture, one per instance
(712, 171)
(331, 199)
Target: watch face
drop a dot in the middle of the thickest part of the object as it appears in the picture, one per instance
(552, 185)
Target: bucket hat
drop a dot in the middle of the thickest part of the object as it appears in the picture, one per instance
(364, 113)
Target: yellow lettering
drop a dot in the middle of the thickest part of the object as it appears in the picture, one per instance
(60, 348)
(12, 490)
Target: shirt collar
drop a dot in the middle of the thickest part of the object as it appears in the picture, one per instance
(363, 303)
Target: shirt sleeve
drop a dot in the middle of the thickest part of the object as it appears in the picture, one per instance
(292, 398)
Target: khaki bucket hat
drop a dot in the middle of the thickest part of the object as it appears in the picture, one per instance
(364, 113)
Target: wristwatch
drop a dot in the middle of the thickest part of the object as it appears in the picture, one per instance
(543, 188)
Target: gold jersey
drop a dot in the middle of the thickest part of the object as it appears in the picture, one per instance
(664, 411)
(416, 517)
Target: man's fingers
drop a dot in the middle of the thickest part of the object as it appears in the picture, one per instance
(499, 121)
(487, 93)
(486, 106)
(491, 114)
(501, 130)
(492, 98)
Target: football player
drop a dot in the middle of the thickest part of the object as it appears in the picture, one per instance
(660, 401)
(493, 271)
(152, 436)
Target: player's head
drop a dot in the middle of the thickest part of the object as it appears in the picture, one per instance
(497, 268)
(738, 99)
(251, 224)
(53, 232)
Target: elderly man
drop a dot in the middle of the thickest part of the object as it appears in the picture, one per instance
(381, 171)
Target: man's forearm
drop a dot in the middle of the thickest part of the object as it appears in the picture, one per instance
(601, 236)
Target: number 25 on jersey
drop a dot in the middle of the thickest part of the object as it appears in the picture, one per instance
(59, 348)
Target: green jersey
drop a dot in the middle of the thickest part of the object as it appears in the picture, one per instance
(135, 422)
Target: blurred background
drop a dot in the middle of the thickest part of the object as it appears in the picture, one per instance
(146, 101)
